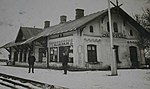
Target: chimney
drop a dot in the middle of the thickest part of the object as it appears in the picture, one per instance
(46, 24)
(63, 19)
(79, 13)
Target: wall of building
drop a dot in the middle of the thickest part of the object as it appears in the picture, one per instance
(99, 38)
(103, 46)
(58, 44)
(80, 42)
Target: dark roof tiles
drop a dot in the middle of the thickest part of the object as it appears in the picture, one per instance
(67, 26)
(30, 32)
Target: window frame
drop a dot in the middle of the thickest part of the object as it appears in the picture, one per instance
(52, 55)
(131, 33)
(115, 26)
(91, 29)
(92, 53)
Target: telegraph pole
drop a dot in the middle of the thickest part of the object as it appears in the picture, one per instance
(113, 60)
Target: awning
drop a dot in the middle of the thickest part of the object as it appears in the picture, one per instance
(11, 44)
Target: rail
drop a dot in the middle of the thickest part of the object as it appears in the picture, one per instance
(13, 81)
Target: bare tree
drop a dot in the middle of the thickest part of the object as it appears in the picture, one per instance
(144, 20)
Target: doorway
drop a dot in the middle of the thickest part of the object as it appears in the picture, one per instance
(61, 51)
(116, 47)
(133, 56)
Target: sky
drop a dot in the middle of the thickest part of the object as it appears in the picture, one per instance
(30, 13)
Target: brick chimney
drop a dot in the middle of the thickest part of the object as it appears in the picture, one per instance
(46, 24)
(63, 19)
(79, 13)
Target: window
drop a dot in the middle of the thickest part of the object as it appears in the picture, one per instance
(91, 29)
(54, 54)
(70, 54)
(115, 27)
(61, 35)
(92, 54)
(131, 33)
(42, 54)
(108, 26)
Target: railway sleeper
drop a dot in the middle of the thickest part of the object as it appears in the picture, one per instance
(34, 83)
(7, 85)
(15, 83)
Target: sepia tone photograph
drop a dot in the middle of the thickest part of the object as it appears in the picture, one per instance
(74, 44)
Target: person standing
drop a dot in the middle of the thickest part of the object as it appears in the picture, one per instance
(65, 60)
(31, 60)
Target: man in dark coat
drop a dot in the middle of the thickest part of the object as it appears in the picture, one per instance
(31, 60)
(65, 60)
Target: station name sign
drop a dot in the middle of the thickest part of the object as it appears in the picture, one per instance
(61, 43)
(115, 35)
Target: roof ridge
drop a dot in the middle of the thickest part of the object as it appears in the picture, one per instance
(31, 27)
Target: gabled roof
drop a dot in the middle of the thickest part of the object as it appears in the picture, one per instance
(30, 32)
(67, 26)
(77, 23)
(26, 33)
(10, 44)
(23, 34)
(73, 25)
(141, 30)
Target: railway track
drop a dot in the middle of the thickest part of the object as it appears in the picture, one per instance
(14, 82)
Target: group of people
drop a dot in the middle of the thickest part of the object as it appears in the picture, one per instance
(31, 60)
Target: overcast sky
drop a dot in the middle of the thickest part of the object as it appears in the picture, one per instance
(30, 13)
